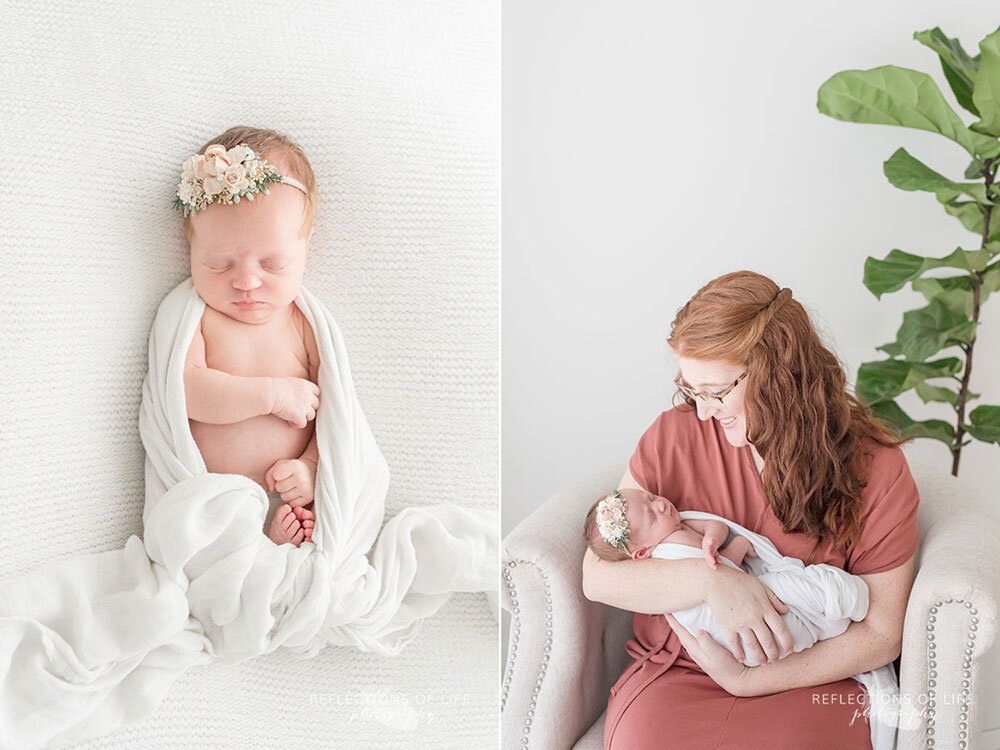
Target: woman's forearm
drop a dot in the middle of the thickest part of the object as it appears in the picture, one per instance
(858, 649)
(652, 586)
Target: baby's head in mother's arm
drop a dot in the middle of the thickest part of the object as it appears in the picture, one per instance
(248, 252)
(629, 523)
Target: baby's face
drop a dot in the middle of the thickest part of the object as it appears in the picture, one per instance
(651, 519)
(250, 251)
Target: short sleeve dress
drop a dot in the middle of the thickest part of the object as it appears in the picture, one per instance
(663, 693)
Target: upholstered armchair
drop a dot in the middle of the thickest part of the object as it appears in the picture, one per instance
(565, 651)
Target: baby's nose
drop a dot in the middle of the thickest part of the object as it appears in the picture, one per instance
(246, 281)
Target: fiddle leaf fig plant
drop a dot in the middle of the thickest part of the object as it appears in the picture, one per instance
(891, 95)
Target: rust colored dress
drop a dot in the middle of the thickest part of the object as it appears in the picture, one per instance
(664, 699)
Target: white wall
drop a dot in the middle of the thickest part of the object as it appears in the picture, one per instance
(648, 147)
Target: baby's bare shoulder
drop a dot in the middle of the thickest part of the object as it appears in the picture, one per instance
(309, 341)
(685, 535)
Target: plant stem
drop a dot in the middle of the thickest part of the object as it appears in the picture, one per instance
(976, 279)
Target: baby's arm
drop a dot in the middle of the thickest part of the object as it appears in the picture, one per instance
(737, 549)
(713, 534)
(216, 397)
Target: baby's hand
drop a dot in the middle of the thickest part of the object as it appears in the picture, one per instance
(294, 479)
(710, 546)
(295, 400)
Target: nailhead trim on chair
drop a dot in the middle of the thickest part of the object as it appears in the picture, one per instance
(963, 725)
(515, 630)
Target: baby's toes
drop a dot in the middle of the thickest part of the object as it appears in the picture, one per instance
(298, 537)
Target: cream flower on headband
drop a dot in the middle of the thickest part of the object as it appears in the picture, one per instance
(611, 519)
(225, 176)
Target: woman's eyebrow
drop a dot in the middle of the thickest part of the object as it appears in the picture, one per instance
(707, 385)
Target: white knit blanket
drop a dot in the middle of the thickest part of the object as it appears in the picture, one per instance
(822, 601)
(95, 641)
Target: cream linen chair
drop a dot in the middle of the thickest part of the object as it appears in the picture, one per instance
(566, 652)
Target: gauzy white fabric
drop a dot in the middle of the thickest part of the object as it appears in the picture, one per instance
(94, 641)
(822, 602)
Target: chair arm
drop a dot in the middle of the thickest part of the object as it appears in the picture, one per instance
(951, 616)
(565, 651)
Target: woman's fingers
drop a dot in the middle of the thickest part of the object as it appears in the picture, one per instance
(779, 605)
(752, 646)
(781, 632)
(766, 640)
(734, 645)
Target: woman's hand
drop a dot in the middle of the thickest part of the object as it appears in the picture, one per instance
(731, 675)
(748, 609)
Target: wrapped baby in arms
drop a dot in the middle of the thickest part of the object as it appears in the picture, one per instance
(635, 524)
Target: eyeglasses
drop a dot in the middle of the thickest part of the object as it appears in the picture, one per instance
(687, 391)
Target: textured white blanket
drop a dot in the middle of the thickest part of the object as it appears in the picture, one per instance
(95, 641)
(822, 600)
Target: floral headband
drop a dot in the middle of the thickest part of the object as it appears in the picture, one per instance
(221, 176)
(611, 520)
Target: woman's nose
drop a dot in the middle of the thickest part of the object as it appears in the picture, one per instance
(705, 409)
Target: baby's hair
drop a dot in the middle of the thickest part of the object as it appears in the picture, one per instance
(592, 535)
(274, 147)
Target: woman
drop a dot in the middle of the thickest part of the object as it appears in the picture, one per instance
(769, 437)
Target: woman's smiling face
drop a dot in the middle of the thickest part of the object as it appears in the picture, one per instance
(712, 377)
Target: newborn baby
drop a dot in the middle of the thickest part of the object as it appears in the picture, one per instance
(630, 523)
(251, 372)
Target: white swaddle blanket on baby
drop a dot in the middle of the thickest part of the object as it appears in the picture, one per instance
(94, 641)
(822, 601)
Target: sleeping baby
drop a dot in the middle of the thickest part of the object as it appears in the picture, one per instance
(637, 521)
(250, 377)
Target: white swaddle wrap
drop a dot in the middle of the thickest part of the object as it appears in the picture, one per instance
(822, 601)
(94, 641)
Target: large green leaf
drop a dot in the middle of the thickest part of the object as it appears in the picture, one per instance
(975, 169)
(991, 279)
(890, 95)
(959, 68)
(897, 268)
(985, 423)
(936, 393)
(892, 414)
(970, 214)
(956, 291)
(908, 173)
(884, 380)
(986, 92)
(926, 331)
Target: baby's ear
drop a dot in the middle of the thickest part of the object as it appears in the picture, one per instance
(642, 553)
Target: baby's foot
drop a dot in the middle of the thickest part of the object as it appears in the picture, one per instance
(285, 527)
(308, 520)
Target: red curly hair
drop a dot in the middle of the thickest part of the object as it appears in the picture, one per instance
(815, 460)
